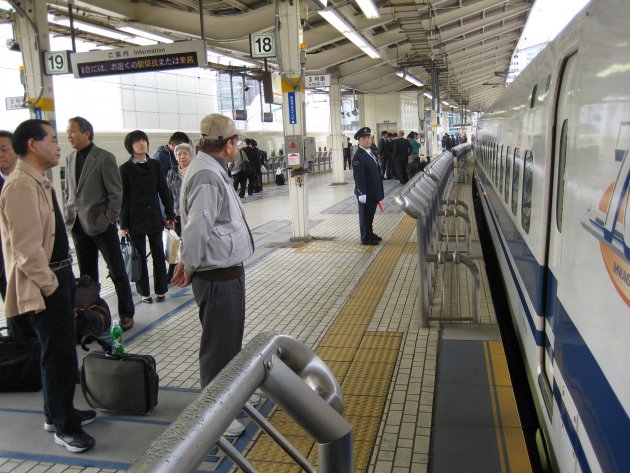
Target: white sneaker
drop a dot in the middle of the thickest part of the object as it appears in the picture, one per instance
(235, 429)
(254, 400)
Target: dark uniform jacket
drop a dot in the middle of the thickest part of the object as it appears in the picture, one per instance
(367, 176)
(402, 148)
(142, 184)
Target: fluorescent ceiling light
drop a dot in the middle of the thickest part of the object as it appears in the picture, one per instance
(349, 32)
(446, 103)
(428, 95)
(90, 28)
(144, 34)
(410, 78)
(368, 8)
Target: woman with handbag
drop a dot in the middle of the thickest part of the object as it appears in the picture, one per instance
(144, 185)
(183, 155)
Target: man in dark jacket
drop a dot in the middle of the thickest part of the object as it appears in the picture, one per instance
(368, 185)
(166, 154)
(402, 150)
(385, 153)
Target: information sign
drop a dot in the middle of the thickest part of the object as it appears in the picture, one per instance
(292, 109)
(240, 114)
(57, 62)
(320, 80)
(14, 103)
(262, 45)
(293, 159)
(178, 55)
(267, 117)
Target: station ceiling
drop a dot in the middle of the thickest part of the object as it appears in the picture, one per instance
(470, 41)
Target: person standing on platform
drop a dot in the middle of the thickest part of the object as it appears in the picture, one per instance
(93, 195)
(144, 187)
(347, 155)
(368, 185)
(165, 154)
(41, 284)
(211, 258)
(402, 150)
(8, 160)
(385, 153)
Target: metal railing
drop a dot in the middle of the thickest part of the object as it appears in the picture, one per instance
(424, 198)
(461, 153)
(292, 376)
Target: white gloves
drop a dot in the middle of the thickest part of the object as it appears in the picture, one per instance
(363, 198)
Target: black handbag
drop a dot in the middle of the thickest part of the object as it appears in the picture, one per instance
(127, 383)
(131, 257)
(20, 369)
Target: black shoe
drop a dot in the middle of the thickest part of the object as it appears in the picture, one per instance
(126, 323)
(147, 299)
(370, 242)
(87, 417)
(75, 443)
(376, 237)
(161, 298)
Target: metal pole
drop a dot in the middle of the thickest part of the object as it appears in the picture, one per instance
(423, 290)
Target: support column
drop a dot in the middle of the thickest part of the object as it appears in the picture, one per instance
(31, 31)
(422, 127)
(337, 140)
(435, 149)
(444, 121)
(292, 59)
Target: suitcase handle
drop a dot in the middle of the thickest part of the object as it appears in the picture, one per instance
(90, 337)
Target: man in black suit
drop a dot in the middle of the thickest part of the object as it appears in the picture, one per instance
(368, 185)
(402, 150)
(8, 160)
(385, 153)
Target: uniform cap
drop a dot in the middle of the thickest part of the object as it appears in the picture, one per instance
(218, 127)
(365, 131)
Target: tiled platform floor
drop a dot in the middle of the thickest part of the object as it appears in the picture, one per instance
(300, 292)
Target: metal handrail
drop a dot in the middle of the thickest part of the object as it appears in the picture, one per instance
(285, 370)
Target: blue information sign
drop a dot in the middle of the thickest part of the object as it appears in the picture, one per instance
(292, 109)
(38, 113)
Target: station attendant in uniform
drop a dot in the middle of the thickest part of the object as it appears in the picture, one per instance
(368, 185)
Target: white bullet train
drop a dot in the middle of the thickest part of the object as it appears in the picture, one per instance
(553, 174)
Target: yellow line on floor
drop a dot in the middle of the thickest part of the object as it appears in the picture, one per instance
(362, 361)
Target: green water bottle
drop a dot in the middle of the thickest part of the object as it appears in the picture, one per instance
(117, 341)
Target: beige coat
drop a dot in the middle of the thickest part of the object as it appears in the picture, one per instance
(27, 222)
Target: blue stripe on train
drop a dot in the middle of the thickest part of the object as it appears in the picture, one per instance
(604, 418)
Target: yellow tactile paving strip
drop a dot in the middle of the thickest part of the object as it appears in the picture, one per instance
(513, 454)
(362, 361)
(335, 247)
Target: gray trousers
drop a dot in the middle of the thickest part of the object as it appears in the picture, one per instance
(222, 315)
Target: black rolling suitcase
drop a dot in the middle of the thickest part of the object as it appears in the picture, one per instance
(127, 384)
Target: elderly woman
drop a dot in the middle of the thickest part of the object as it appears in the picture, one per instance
(140, 217)
(174, 177)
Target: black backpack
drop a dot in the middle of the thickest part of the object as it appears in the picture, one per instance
(279, 179)
(247, 167)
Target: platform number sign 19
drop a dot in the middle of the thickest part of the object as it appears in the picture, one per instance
(57, 62)
(262, 45)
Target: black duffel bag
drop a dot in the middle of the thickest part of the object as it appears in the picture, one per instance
(20, 369)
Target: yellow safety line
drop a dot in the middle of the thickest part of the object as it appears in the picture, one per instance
(495, 407)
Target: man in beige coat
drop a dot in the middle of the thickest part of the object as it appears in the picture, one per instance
(40, 281)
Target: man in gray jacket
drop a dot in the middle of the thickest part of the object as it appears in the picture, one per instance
(93, 198)
(215, 242)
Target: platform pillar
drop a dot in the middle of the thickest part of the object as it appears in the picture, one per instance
(422, 126)
(434, 149)
(292, 60)
(336, 137)
(444, 121)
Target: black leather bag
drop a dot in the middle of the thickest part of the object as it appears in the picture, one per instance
(20, 369)
(127, 383)
(131, 258)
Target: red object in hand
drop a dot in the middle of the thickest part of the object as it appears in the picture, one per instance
(380, 206)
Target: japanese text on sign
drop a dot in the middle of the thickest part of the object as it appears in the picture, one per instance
(321, 80)
(124, 66)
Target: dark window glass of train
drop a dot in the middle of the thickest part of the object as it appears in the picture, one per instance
(563, 161)
(508, 174)
(501, 166)
(532, 101)
(496, 164)
(516, 176)
(528, 181)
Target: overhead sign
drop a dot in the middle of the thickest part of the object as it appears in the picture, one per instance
(57, 62)
(267, 117)
(262, 45)
(14, 103)
(320, 80)
(159, 57)
(240, 114)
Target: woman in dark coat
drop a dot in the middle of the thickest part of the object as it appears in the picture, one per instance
(140, 217)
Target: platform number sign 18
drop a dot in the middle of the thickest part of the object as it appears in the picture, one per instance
(57, 62)
(262, 45)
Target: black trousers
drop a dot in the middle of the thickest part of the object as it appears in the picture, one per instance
(386, 167)
(54, 329)
(241, 179)
(160, 285)
(222, 315)
(401, 169)
(87, 248)
(366, 218)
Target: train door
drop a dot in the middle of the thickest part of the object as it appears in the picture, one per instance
(562, 126)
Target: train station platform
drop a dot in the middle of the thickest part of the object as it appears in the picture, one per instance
(418, 399)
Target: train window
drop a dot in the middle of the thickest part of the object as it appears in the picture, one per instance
(532, 100)
(516, 175)
(508, 174)
(563, 161)
(494, 163)
(528, 178)
(502, 167)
